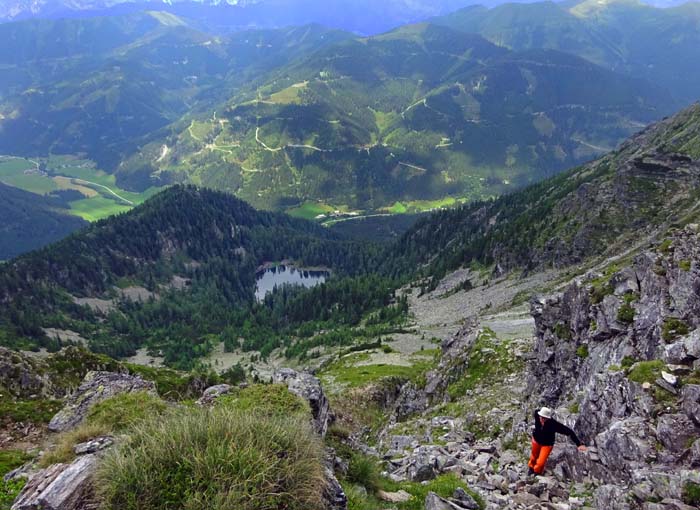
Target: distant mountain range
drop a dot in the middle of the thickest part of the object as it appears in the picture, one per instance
(322, 122)
(362, 16)
(627, 36)
(284, 117)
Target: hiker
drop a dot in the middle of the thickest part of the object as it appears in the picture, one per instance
(543, 438)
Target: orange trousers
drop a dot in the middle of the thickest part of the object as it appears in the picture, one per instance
(538, 457)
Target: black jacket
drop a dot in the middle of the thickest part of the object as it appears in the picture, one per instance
(545, 435)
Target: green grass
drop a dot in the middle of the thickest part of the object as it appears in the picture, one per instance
(646, 371)
(691, 494)
(673, 328)
(582, 351)
(267, 399)
(310, 210)
(219, 458)
(444, 486)
(625, 314)
(31, 182)
(92, 208)
(115, 415)
(96, 208)
(12, 459)
(10, 167)
(398, 208)
(345, 372)
(170, 384)
(36, 411)
(9, 492)
(125, 410)
(364, 470)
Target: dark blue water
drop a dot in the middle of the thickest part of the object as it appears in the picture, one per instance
(281, 275)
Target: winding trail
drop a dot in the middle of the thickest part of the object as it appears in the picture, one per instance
(83, 181)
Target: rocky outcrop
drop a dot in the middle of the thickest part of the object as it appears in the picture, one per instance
(308, 387)
(22, 377)
(60, 487)
(622, 349)
(96, 387)
(454, 361)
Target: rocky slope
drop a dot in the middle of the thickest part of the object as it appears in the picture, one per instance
(616, 353)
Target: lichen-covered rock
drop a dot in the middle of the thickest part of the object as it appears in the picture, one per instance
(60, 487)
(96, 387)
(309, 388)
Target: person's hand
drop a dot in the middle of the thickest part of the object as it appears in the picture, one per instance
(582, 448)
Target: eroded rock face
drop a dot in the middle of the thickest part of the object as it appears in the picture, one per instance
(308, 387)
(96, 387)
(60, 487)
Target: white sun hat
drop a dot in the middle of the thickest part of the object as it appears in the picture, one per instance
(545, 412)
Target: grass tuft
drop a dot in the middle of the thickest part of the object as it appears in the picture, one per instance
(219, 458)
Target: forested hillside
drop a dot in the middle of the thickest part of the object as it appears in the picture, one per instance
(169, 273)
(30, 222)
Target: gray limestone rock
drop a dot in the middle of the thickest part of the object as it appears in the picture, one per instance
(308, 387)
(333, 495)
(691, 402)
(94, 445)
(59, 487)
(464, 499)
(674, 431)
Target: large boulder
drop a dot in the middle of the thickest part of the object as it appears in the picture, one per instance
(60, 487)
(691, 402)
(212, 393)
(675, 432)
(308, 387)
(96, 387)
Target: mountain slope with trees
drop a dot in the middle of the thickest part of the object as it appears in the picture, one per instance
(651, 182)
(190, 258)
(30, 222)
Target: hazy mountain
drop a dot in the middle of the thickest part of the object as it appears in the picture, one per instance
(364, 16)
(98, 85)
(628, 36)
(415, 114)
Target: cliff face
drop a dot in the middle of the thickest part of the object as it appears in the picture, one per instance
(620, 351)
